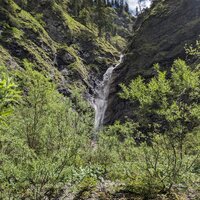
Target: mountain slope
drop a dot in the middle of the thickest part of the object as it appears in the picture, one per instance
(161, 34)
(45, 34)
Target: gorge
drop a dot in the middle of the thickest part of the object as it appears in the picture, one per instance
(97, 104)
(158, 38)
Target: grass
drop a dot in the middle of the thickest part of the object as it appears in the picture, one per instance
(4, 55)
(29, 31)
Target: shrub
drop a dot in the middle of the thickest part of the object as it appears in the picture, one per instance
(42, 141)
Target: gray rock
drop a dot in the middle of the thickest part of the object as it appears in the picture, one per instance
(159, 38)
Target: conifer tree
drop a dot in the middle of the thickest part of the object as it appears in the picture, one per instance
(137, 11)
(112, 2)
(100, 20)
(126, 8)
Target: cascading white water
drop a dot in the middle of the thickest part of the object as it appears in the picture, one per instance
(100, 98)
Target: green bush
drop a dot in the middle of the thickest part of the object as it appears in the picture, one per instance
(169, 118)
(42, 141)
(8, 93)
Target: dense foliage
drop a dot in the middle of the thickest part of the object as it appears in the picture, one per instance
(42, 139)
(46, 143)
(103, 14)
(47, 146)
(168, 121)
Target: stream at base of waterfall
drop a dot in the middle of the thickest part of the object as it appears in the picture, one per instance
(99, 100)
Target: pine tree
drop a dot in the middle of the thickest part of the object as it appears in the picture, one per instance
(117, 5)
(137, 11)
(126, 8)
(121, 6)
(100, 20)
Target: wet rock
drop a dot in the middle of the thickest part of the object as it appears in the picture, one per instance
(160, 37)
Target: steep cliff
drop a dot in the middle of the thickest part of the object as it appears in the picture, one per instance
(47, 35)
(161, 34)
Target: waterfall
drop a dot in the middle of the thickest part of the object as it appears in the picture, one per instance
(100, 99)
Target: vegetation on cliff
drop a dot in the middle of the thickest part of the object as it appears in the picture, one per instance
(49, 36)
(49, 53)
(46, 141)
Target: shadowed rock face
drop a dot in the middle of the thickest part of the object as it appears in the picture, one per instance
(160, 37)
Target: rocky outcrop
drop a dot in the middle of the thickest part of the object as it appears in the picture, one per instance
(160, 36)
(45, 34)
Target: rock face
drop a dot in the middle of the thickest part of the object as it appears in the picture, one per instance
(160, 36)
(46, 34)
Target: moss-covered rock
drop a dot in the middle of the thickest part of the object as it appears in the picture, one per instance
(161, 34)
(44, 33)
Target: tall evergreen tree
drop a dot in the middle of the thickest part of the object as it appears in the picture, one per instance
(117, 5)
(126, 7)
(100, 20)
(137, 11)
(112, 2)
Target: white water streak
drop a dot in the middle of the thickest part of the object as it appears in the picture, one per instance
(100, 99)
